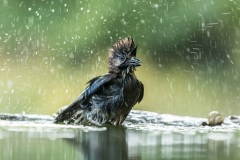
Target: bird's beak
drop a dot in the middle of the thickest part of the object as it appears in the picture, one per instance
(134, 62)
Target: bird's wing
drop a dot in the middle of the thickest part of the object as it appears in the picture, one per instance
(94, 85)
(141, 92)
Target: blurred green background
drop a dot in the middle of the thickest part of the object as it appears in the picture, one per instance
(189, 48)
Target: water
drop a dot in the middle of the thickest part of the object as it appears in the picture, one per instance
(137, 139)
(116, 143)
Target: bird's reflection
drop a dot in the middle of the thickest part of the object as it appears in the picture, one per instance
(121, 143)
(109, 144)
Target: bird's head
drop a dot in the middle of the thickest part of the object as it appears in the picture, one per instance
(122, 56)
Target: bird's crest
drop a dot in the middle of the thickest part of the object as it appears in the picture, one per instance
(125, 46)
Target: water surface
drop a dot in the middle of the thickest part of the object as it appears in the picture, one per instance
(42, 140)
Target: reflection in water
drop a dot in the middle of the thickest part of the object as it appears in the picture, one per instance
(42, 141)
(116, 143)
(30, 140)
(108, 144)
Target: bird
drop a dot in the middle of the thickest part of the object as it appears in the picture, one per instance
(109, 98)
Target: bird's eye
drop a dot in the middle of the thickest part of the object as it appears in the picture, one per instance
(123, 58)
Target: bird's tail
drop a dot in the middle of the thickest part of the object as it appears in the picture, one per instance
(69, 114)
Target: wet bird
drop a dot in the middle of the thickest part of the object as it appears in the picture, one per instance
(109, 98)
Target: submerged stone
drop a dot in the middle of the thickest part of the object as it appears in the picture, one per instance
(142, 120)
